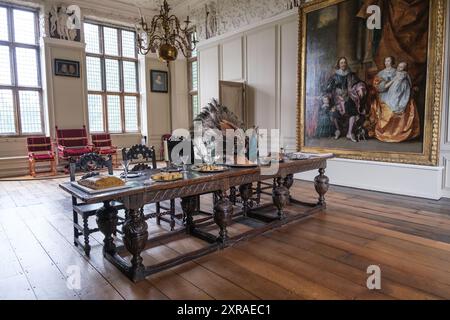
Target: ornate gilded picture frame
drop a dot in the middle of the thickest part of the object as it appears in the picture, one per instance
(370, 79)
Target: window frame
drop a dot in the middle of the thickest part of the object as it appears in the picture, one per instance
(191, 92)
(104, 93)
(14, 87)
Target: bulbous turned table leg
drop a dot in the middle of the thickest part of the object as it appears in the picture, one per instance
(135, 239)
(321, 183)
(258, 192)
(190, 206)
(223, 214)
(288, 183)
(280, 197)
(246, 192)
(107, 222)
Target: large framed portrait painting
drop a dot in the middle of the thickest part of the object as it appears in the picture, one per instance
(370, 79)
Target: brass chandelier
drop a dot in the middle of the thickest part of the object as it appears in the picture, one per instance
(165, 35)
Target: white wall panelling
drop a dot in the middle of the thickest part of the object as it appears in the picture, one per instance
(445, 127)
(180, 101)
(262, 77)
(416, 181)
(209, 69)
(288, 84)
(232, 61)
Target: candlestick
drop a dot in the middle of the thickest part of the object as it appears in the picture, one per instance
(166, 151)
(141, 16)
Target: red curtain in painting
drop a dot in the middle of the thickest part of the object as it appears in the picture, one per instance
(404, 34)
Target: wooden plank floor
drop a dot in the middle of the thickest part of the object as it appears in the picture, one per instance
(325, 257)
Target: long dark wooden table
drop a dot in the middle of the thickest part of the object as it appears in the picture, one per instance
(142, 192)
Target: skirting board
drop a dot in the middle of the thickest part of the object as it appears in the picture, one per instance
(409, 180)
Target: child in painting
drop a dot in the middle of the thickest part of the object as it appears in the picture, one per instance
(399, 89)
(325, 127)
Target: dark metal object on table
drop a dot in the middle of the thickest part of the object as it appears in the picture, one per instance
(172, 169)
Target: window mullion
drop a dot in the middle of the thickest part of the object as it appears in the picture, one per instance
(16, 102)
(121, 80)
(14, 78)
(122, 112)
(105, 112)
(119, 42)
(9, 14)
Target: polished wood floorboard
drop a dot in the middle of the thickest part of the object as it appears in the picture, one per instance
(325, 257)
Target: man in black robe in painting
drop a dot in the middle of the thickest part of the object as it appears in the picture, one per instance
(338, 88)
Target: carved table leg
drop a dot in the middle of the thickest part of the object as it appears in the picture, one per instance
(223, 214)
(321, 183)
(107, 221)
(246, 192)
(135, 238)
(233, 197)
(288, 183)
(258, 192)
(190, 206)
(280, 196)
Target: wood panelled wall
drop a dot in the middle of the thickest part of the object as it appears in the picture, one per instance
(265, 58)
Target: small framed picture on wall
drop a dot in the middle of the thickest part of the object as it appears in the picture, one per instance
(67, 68)
(159, 81)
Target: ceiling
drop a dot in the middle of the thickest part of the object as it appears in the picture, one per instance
(153, 5)
(126, 10)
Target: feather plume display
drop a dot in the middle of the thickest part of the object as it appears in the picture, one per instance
(217, 117)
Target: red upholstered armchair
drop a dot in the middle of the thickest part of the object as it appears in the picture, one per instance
(40, 150)
(103, 145)
(72, 143)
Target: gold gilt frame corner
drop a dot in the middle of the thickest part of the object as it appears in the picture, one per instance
(434, 92)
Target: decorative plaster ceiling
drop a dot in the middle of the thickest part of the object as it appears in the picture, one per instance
(126, 10)
(149, 4)
(179, 6)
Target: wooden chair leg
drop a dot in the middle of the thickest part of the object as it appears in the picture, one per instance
(33, 168)
(172, 215)
(53, 167)
(87, 247)
(158, 213)
(75, 230)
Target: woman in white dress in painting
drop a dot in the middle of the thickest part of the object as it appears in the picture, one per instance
(394, 113)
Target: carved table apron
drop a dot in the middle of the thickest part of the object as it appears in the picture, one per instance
(135, 229)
